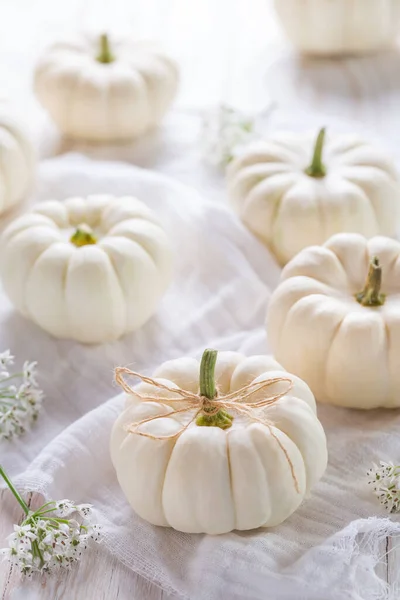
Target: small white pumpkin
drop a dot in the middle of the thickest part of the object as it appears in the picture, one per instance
(329, 323)
(293, 193)
(89, 269)
(17, 160)
(98, 91)
(329, 27)
(224, 471)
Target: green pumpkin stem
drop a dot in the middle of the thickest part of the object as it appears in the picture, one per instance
(371, 294)
(105, 56)
(317, 167)
(83, 236)
(208, 390)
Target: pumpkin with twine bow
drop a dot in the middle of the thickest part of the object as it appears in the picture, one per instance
(230, 443)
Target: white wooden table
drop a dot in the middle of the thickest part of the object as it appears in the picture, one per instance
(230, 51)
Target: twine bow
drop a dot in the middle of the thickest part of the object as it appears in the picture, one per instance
(202, 405)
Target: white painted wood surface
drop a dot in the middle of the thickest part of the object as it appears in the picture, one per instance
(99, 577)
(230, 51)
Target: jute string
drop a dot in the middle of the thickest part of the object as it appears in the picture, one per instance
(238, 401)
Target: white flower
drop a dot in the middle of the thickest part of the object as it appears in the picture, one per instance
(385, 479)
(6, 358)
(84, 510)
(47, 541)
(20, 402)
(66, 507)
(29, 373)
(224, 132)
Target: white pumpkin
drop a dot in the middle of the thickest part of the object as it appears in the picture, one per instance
(337, 332)
(89, 269)
(17, 160)
(293, 193)
(329, 27)
(211, 479)
(101, 91)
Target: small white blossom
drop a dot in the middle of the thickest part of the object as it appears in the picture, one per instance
(20, 402)
(84, 510)
(224, 132)
(6, 359)
(47, 541)
(385, 479)
(29, 373)
(64, 507)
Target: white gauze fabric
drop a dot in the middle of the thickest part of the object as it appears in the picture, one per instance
(329, 548)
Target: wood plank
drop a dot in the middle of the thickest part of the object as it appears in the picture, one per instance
(10, 513)
(381, 568)
(98, 576)
(393, 566)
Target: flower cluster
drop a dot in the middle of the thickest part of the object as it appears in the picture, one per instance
(20, 397)
(385, 478)
(47, 540)
(224, 132)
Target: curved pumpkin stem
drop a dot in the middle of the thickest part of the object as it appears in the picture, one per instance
(210, 417)
(371, 294)
(83, 236)
(105, 55)
(317, 167)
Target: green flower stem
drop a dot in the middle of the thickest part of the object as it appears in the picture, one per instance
(317, 168)
(105, 55)
(11, 377)
(54, 519)
(83, 236)
(208, 390)
(371, 294)
(39, 510)
(37, 552)
(17, 495)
